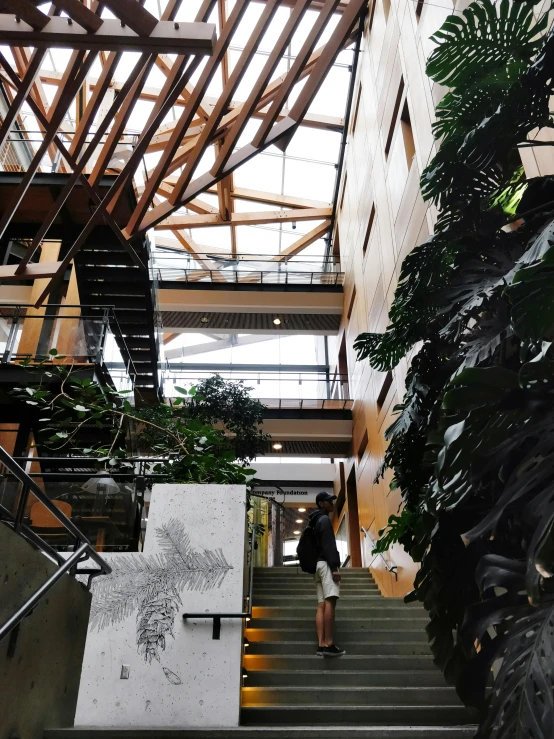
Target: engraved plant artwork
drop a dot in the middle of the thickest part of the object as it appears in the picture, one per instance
(152, 586)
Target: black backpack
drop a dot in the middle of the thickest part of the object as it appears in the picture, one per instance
(306, 551)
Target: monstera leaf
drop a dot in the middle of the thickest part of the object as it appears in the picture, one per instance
(485, 38)
(521, 704)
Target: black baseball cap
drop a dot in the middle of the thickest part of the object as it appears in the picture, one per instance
(324, 497)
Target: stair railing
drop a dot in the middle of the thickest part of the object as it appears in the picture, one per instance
(393, 569)
(83, 549)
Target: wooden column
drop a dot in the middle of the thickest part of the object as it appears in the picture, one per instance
(33, 323)
(70, 336)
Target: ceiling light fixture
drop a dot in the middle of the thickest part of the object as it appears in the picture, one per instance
(301, 510)
(298, 520)
(296, 533)
(204, 320)
(277, 321)
(277, 446)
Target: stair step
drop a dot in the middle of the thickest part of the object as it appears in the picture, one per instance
(348, 696)
(304, 599)
(309, 647)
(299, 575)
(347, 588)
(392, 715)
(369, 635)
(367, 623)
(352, 620)
(312, 663)
(263, 732)
(387, 606)
(325, 678)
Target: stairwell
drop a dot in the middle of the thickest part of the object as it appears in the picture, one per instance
(107, 276)
(385, 687)
(386, 682)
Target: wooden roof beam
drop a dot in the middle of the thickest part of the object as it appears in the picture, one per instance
(261, 83)
(185, 120)
(327, 59)
(133, 14)
(286, 201)
(226, 96)
(304, 241)
(80, 14)
(295, 71)
(79, 73)
(245, 219)
(27, 12)
(167, 36)
(340, 36)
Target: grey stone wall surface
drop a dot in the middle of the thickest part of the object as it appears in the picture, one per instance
(39, 682)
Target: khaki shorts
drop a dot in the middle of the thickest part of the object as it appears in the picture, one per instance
(325, 585)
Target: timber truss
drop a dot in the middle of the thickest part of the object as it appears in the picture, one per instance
(170, 197)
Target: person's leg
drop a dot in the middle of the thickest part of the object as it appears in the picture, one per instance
(329, 622)
(320, 624)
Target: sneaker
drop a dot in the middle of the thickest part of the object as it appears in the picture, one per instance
(333, 651)
(320, 651)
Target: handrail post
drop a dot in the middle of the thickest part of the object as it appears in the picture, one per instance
(7, 356)
(21, 508)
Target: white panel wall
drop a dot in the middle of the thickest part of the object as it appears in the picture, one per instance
(178, 676)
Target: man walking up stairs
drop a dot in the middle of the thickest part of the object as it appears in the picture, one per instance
(386, 684)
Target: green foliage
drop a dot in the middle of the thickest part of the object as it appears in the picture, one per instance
(77, 415)
(472, 446)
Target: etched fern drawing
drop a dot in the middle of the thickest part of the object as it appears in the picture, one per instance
(152, 586)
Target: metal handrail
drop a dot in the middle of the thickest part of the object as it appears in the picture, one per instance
(83, 548)
(216, 617)
(393, 569)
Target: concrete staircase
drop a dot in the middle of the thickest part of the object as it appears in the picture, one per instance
(386, 682)
(385, 687)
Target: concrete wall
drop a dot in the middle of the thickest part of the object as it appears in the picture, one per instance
(177, 675)
(40, 682)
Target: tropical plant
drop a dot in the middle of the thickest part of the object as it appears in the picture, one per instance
(80, 415)
(472, 446)
(226, 404)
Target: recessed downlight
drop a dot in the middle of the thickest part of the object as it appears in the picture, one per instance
(301, 510)
(296, 533)
(277, 446)
(277, 321)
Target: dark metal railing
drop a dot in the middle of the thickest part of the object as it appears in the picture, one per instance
(83, 549)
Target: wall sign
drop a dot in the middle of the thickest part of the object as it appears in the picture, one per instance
(292, 493)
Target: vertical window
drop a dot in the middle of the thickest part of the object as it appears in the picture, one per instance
(356, 109)
(363, 446)
(392, 126)
(351, 304)
(343, 191)
(407, 134)
(384, 391)
(368, 230)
